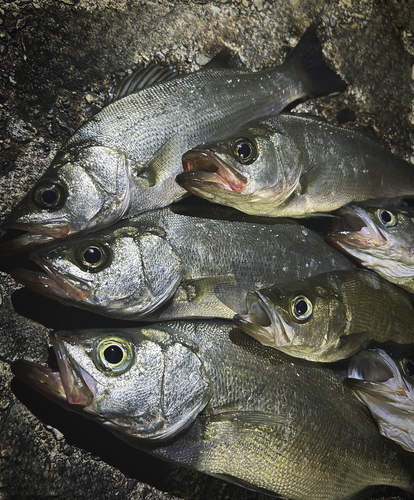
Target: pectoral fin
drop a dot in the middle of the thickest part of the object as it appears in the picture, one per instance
(162, 165)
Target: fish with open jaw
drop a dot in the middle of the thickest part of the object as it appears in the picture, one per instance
(125, 159)
(206, 396)
(178, 262)
(295, 165)
(330, 316)
(380, 239)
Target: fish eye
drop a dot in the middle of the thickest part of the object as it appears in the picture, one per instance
(114, 355)
(301, 308)
(386, 218)
(408, 368)
(244, 151)
(49, 195)
(93, 256)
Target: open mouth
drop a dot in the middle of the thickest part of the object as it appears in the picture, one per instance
(69, 384)
(203, 167)
(49, 283)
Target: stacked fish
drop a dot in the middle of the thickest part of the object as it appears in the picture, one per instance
(194, 388)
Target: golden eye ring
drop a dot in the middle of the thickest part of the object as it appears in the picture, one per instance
(49, 194)
(244, 151)
(114, 355)
(301, 308)
(386, 217)
(93, 256)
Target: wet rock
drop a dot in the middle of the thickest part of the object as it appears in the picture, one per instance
(19, 130)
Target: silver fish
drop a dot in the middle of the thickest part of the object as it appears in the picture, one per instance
(125, 159)
(206, 396)
(330, 316)
(178, 262)
(380, 239)
(295, 165)
(386, 386)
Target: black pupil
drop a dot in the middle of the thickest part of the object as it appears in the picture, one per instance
(301, 307)
(386, 217)
(49, 197)
(113, 354)
(244, 150)
(409, 366)
(92, 255)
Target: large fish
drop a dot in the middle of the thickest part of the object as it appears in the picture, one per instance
(295, 165)
(380, 239)
(386, 386)
(206, 396)
(125, 159)
(169, 263)
(329, 317)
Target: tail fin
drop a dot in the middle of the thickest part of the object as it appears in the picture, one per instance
(308, 57)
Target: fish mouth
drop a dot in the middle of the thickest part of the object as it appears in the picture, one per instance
(69, 385)
(203, 168)
(355, 230)
(262, 322)
(35, 235)
(49, 283)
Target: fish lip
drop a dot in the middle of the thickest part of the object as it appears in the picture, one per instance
(51, 283)
(35, 235)
(205, 167)
(69, 385)
(275, 334)
(363, 231)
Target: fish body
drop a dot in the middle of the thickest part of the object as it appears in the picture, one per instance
(295, 165)
(206, 396)
(125, 159)
(178, 262)
(379, 239)
(330, 316)
(386, 386)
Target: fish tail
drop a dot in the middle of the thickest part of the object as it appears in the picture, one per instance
(308, 57)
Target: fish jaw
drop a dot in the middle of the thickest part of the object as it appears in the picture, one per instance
(204, 168)
(50, 283)
(69, 386)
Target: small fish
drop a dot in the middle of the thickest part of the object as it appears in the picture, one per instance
(380, 239)
(295, 165)
(206, 396)
(329, 317)
(125, 159)
(386, 386)
(178, 262)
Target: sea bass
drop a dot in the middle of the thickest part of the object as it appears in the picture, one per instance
(125, 159)
(380, 239)
(206, 396)
(329, 317)
(386, 386)
(178, 262)
(295, 165)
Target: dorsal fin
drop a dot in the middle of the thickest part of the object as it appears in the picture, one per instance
(225, 59)
(141, 78)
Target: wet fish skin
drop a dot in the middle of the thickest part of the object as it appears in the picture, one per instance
(125, 159)
(386, 386)
(379, 239)
(330, 316)
(295, 165)
(286, 437)
(178, 262)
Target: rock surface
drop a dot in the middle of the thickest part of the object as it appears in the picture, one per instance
(57, 60)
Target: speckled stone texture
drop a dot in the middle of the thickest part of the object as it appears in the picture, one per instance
(57, 61)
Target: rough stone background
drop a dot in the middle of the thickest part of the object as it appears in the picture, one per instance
(57, 60)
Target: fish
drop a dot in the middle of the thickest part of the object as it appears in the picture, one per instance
(204, 395)
(178, 262)
(380, 239)
(295, 165)
(329, 317)
(386, 386)
(124, 160)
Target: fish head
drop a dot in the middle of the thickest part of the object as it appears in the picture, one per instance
(250, 171)
(121, 272)
(139, 383)
(82, 190)
(381, 239)
(302, 319)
